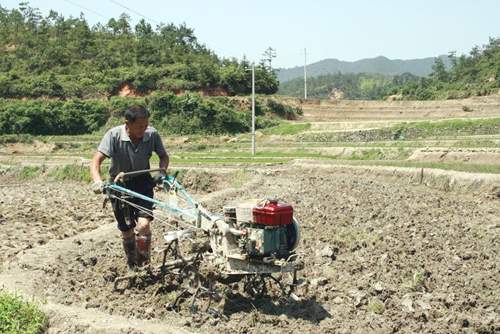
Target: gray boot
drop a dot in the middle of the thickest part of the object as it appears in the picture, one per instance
(143, 249)
(130, 251)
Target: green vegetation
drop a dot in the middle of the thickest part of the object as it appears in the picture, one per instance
(411, 131)
(361, 86)
(15, 138)
(283, 110)
(19, 317)
(185, 114)
(247, 154)
(70, 172)
(287, 129)
(475, 74)
(378, 65)
(30, 172)
(72, 72)
(452, 126)
(229, 161)
(61, 57)
(41, 117)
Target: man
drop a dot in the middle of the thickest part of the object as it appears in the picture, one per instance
(130, 147)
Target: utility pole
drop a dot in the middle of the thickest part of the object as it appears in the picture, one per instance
(253, 108)
(305, 74)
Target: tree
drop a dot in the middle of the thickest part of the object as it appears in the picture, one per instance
(268, 56)
(95, 61)
(439, 70)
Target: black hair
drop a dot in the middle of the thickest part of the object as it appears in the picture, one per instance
(134, 112)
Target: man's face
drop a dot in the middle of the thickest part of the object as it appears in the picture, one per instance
(137, 128)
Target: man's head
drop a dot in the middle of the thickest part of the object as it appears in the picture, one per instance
(137, 120)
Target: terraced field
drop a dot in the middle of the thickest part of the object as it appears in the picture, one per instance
(398, 204)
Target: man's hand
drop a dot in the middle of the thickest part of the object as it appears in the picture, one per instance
(159, 177)
(98, 187)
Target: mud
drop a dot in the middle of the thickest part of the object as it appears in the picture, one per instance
(380, 256)
(35, 213)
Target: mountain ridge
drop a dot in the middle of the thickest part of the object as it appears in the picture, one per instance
(375, 65)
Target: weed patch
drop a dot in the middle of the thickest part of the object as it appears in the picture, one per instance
(18, 316)
(30, 172)
(10, 139)
(70, 172)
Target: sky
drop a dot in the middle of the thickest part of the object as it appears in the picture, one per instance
(346, 30)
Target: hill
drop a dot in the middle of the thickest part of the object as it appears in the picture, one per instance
(360, 86)
(60, 57)
(378, 65)
(475, 74)
(60, 76)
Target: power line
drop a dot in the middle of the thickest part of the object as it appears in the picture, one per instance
(87, 9)
(134, 11)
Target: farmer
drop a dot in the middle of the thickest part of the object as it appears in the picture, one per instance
(130, 146)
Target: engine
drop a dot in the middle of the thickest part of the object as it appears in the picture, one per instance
(268, 227)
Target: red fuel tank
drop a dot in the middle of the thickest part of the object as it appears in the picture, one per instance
(273, 214)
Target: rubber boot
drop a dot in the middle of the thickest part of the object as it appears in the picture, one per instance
(129, 246)
(143, 249)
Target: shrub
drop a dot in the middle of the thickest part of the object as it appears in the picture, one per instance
(41, 117)
(283, 110)
(186, 114)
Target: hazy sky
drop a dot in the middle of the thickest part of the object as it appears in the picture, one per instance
(346, 30)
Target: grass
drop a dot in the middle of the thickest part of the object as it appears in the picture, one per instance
(70, 172)
(30, 172)
(10, 139)
(450, 124)
(470, 168)
(369, 157)
(447, 143)
(216, 151)
(287, 129)
(228, 161)
(242, 157)
(455, 126)
(20, 317)
(239, 154)
(358, 160)
(410, 131)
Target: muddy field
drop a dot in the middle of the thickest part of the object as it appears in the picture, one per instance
(380, 256)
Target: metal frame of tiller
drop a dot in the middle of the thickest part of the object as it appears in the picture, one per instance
(228, 264)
